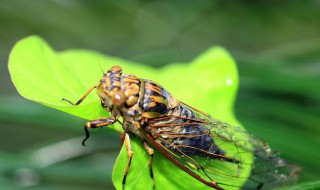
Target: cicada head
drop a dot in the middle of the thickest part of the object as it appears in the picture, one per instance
(109, 89)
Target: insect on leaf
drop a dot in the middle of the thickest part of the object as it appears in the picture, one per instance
(209, 82)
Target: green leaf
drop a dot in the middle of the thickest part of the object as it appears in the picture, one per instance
(209, 83)
(41, 75)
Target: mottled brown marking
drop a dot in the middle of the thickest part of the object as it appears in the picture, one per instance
(131, 100)
(153, 87)
(158, 99)
(130, 79)
(131, 89)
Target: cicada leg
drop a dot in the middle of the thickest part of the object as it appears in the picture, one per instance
(130, 154)
(150, 152)
(97, 123)
(84, 96)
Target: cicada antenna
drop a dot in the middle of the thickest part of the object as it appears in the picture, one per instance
(101, 68)
(99, 62)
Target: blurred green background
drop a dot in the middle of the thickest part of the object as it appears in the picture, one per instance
(275, 43)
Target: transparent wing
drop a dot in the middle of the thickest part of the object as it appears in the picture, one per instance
(218, 154)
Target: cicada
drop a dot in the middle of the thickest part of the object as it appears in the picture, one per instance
(213, 152)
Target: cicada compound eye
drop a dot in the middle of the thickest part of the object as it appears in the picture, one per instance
(118, 98)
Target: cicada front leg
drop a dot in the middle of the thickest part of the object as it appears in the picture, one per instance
(98, 123)
(84, 96)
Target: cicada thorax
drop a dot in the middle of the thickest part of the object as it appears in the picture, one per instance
(135, 99)
(157, 101)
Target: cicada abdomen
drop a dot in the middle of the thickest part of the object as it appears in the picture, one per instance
(218, 152)
(215, 153)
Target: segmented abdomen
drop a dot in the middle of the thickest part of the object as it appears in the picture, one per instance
(180, 132)
(195, 138)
